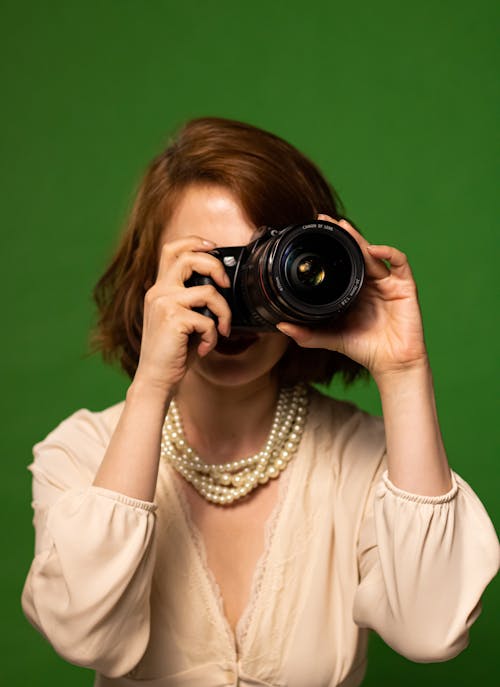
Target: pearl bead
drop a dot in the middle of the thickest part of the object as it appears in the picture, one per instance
(227, 482)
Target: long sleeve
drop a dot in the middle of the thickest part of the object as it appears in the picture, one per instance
(424, 562)
(87, 590)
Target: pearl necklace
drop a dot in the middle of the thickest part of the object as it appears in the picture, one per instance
(224, 483)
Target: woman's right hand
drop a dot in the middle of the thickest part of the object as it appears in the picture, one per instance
(169, 321)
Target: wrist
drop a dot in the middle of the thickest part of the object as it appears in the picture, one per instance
(402, 374)
(142, 389)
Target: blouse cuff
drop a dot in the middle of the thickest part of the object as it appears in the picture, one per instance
(386, 484)
(123, 498)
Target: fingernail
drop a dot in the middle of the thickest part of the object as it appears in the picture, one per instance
(206, 242)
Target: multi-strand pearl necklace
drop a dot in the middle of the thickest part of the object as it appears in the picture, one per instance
(224, 483)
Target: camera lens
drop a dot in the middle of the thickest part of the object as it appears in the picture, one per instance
(304, 273)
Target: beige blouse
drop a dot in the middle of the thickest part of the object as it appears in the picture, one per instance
(121, 585)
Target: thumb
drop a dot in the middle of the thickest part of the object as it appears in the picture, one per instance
(312, 338)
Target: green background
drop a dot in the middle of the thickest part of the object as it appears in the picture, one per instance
(395, 101)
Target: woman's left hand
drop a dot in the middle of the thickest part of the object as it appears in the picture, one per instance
(383, 331)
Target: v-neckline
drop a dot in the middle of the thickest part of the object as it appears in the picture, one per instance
(237, 638)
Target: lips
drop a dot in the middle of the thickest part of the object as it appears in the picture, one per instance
(235, 344)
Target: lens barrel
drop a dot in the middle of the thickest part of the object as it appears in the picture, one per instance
(304, 273)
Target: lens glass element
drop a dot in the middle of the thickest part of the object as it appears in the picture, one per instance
(310, 271)
(317, 268)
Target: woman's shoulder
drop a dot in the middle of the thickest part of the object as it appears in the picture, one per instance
(71, 452)
(346, 433)
(96, 425)
(335, 413)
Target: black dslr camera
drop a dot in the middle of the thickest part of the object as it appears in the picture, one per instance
(304, 273)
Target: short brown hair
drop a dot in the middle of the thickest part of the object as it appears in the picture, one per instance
(276, 185)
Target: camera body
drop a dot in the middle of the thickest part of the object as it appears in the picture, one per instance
(307, 274)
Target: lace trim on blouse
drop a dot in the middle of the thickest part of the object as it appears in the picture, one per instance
(237, 639)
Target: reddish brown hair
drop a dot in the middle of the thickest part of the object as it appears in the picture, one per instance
(275, 184)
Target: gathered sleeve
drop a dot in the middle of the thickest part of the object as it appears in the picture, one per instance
(88, 586)
(423, 563)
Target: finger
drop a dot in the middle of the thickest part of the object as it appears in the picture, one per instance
(207, 296)
(182, 266)
(171, 250)
(397, 259)
(206, 265)
(350, 228)
(312, 338)
(374, 268)
(205, 328)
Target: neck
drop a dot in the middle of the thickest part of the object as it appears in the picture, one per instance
(226, 423)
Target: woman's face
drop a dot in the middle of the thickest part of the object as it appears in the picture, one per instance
(214, 213)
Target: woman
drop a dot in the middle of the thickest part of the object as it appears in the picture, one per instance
(153, 567)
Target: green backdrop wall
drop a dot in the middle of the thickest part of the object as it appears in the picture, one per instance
(396, 101)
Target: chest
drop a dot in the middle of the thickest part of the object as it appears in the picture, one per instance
(234, 540)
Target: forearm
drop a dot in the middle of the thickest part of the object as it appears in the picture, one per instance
(416, 456)
(130, 464)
